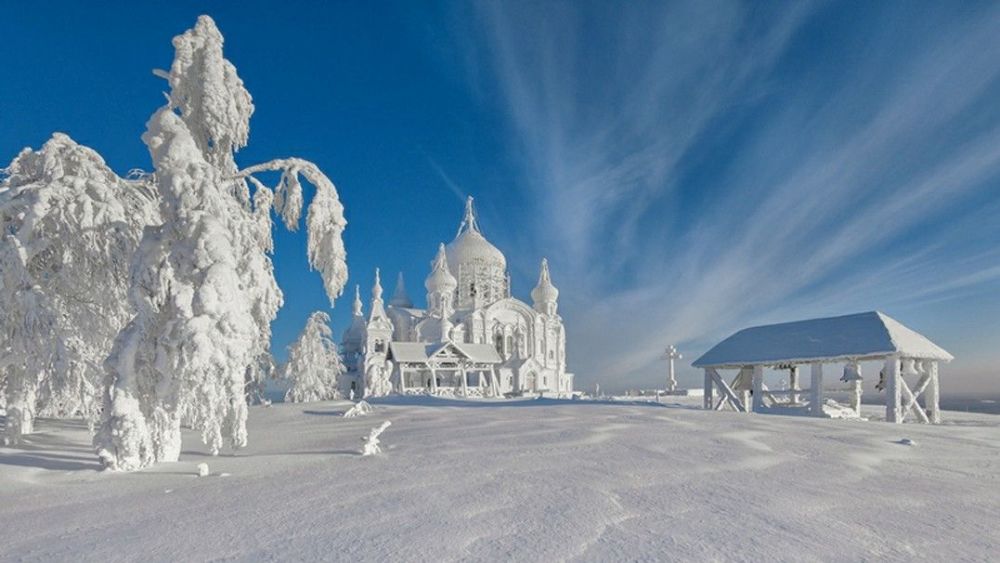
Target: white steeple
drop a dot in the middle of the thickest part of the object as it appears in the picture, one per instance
(355, 333)
(440, 285)
(545, 294)
(399, 296)
(378, 310)
(357, 301)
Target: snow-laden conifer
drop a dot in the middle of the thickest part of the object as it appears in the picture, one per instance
(69, 227)
(203, 285)
(313, 364)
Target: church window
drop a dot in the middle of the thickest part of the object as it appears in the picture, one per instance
(379, 346)
(498, 342)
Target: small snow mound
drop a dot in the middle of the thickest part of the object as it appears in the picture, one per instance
(371, 441)
(360, 409)
(225, 474)
(906, 442)
(202, 470)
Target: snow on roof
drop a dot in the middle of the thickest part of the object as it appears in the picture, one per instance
(484, 353)
(419, 352)
(862, 335)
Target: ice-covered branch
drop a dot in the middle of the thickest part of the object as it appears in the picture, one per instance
(325, 220)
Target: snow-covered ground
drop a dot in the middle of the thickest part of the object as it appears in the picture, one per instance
(528, 480)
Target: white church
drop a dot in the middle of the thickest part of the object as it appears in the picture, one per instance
(474, 339)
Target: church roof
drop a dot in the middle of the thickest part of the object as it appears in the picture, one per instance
(470, 246)
(859, 336)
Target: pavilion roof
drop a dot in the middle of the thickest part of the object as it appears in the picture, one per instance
(421, 352)
(860, 336)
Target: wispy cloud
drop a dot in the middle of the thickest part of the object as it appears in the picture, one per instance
(446, 180)
(695, 180)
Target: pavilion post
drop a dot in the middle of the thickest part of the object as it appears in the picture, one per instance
(434, 380)
(893, 392)
(709, 397)
(816, 389)
(793, 384)
(757, 380)
(932, 396)
(402, 379)
(465, 384)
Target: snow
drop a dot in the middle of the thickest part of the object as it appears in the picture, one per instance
(362, 408)
(831, 339)
(533, 480)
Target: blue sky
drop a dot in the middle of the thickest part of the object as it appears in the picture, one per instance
(689, 169)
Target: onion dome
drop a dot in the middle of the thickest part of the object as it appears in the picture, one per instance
(399, 296)
(470, 248)
(544, 292)
(356, 332)
(440, 279)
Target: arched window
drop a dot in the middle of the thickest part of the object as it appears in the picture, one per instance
(498, 342)
(379, 345)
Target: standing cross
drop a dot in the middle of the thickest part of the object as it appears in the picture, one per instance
(671, 355)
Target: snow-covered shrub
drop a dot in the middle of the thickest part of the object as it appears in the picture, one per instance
(362, 408)
(69, 226)
(202, 283)
(372, 441)
(313, 364)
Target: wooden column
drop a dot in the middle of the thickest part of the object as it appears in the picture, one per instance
(893, 393)
(816, 390)
(793, 384)
(708, 401)
(434, 379)
(757, 382)
(932, 397)
(402, 379)
(465, 384)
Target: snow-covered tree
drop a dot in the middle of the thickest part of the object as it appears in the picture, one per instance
(202, 283)
(69, 226)
(313, 364)
(372, 443)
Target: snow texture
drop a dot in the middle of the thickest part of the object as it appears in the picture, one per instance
(314, 363)
(362, 408)
(539, 480)
(372, 441)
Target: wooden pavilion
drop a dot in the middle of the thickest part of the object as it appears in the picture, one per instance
(849, 340)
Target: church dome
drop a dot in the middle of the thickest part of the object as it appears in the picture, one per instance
(545, 292)
(470, 248)
(440, 279)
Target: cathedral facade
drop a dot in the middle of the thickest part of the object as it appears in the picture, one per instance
(473, 339)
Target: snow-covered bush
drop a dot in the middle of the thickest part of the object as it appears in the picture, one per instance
(372, 441)
(202, 283)
(69, 226)
(313, 364)
(362, 408)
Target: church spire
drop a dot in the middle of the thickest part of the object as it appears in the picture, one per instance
(399, 296)
(440, 285)
(377, 287)
(357, 301)
(378, 311)
(469, 220)
(545, 294)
